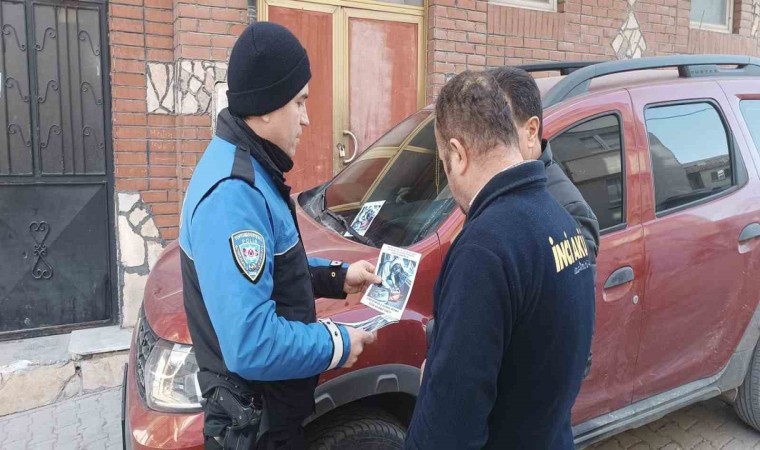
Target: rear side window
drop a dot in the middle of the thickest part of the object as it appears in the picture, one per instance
(689, 149)
(751, 112)
(591, 154)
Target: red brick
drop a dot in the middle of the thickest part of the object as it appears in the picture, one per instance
(230, 15)
(119, 51)
(162, 29)
(467, 4)
(186, 24)
(135, 158)
(131, 171)
(464, 25)
(129, 133)
(465, 48)
(163, 159)
(160, 55)
(220, 54)
(129, 119)
(161, 120)
(159, 15)
(163, 133)
(165, 208)
(223, 41)
(135, 145)
(123, 38)
(215, 27)
(164, 42)
(127, 2)
(163, 146)
(476, 59)
(195, 52)
(124, 105)
(163, 171)
(201, 121)
(128, 79)
(193, 11)
(132, 25)
(138, 184)
(124, 66)
(169, 233)
(154, 196)
(165, 221)
(127, 12)
(129, 93)
(163, 183)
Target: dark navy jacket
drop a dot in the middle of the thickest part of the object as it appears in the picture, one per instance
(248, 287)
(514, 312)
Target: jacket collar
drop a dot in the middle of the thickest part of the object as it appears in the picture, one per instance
(275, 162)
(530, 174)
(546, 153)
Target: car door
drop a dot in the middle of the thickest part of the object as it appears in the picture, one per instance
(698, 199)
(593, 141)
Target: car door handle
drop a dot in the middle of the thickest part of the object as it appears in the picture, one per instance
(621, 276)
(751, 231)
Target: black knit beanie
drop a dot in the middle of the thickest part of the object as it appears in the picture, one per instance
(268, 68)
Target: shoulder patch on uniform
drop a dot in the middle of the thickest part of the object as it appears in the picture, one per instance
(250, 252)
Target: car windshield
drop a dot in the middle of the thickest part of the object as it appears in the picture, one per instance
(396, 192)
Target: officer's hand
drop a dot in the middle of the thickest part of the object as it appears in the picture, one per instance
(359, 277)
(359, 338)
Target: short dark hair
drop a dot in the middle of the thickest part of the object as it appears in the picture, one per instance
(472, 109)
(522, 93)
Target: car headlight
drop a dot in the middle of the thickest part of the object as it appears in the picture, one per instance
(171, 383)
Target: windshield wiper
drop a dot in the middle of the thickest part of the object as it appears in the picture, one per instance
(348, 228)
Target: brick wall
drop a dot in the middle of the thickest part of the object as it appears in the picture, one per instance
(475, 34)
(156, 152)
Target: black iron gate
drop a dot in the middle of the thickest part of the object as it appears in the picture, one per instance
(56, 221)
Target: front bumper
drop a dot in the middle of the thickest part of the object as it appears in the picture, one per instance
(146, 429)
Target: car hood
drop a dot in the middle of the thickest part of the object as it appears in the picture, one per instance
(164, 304)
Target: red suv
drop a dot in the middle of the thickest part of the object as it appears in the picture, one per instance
(665, 150)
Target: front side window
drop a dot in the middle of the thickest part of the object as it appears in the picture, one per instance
(751, 112)
(689, 150)
(395, 193)
(591, 155)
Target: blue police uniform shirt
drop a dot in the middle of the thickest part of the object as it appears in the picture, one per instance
(234, 232)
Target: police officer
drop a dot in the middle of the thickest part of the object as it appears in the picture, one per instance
(249, 287)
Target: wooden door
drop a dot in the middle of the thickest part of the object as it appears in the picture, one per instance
(385, 66)
(367, 75)
(314, 27)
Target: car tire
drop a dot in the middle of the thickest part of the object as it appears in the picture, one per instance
(357, 428)
(747, 403)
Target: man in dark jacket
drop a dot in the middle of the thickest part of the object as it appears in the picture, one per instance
(524, 99)
(514, 299)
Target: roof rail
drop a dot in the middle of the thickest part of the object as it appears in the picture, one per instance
(564, 67)
(689, 66)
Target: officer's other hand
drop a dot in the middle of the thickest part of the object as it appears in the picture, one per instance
(359, 338)
(359, 277)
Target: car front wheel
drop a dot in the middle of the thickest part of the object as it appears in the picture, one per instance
(357, 428)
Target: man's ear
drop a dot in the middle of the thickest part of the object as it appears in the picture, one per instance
(459, 158)
(532, 125)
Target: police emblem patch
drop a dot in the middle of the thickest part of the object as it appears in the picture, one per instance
(249, 249)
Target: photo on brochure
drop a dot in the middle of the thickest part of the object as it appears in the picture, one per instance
(365, 217)
(397, 269)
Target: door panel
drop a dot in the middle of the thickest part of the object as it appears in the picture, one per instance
(55, 185)
(367, 68)
(701, 283)
(383, 80)
(314, 155)
(581, 148)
